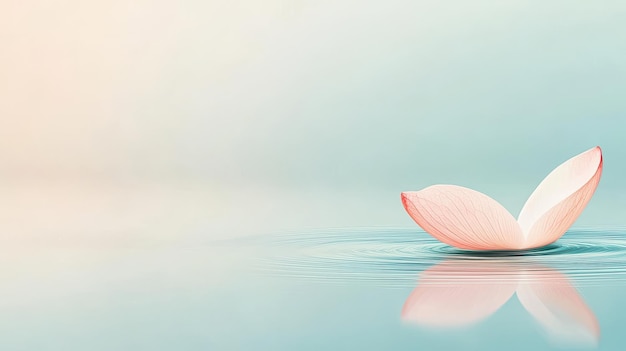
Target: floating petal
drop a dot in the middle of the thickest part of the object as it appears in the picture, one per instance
(463, 218)
(560, 198)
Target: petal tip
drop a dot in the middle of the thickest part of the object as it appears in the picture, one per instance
(404, 197)
(598, 149)
(595, 151)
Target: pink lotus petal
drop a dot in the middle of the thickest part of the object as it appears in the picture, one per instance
(463, 218)
(560, 198)
(552, 300)
(459, 293)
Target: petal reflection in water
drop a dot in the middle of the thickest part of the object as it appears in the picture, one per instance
(549, 297)
(462, 292)
(456, 293)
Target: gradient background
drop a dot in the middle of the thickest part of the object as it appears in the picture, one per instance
(136, 135)
(168, 121)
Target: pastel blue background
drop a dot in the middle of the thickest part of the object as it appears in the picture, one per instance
(134, 136)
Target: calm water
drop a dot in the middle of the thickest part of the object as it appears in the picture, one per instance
(342, 289)
(386, 288)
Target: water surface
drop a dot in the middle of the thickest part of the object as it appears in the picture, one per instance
(400, 289)
(330, 289)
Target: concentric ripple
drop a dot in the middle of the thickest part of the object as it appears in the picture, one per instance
(395, 257)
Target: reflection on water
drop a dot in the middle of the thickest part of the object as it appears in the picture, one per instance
(462, 292)
(401, 288)
(341, 290)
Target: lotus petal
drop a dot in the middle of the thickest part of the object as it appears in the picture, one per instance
(459, 293)
(552, 300)
(463, 218)
(560, 198)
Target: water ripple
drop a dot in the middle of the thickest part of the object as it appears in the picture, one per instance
(396, 256)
